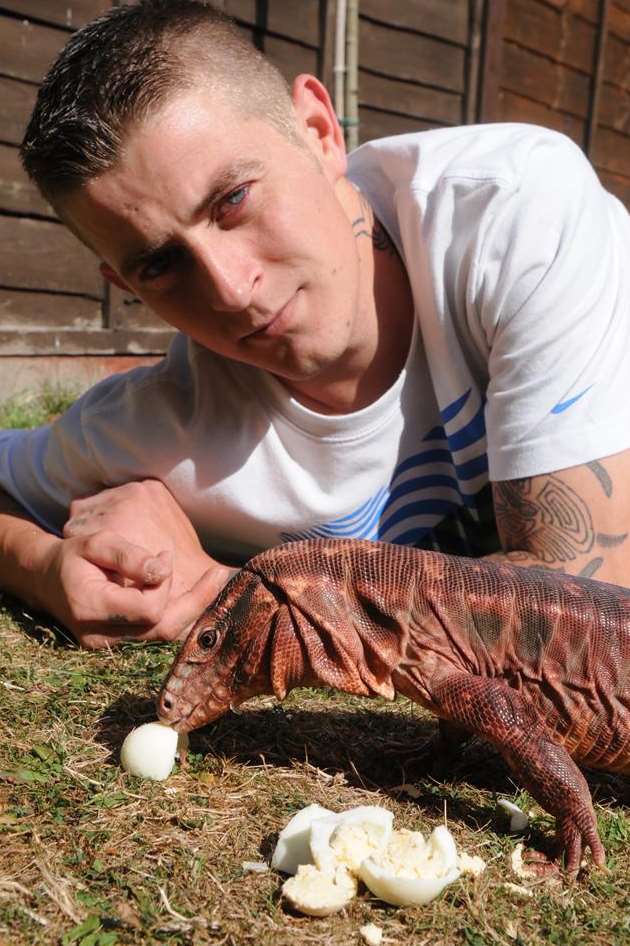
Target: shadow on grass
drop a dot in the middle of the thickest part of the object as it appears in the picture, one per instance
(371, 749)
(37, 626)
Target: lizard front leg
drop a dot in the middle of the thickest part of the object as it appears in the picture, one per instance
(491, 709)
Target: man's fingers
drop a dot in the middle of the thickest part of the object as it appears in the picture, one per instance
(183, 613)
(98, 639)
(140, 615)
(113, 553)
(125, 607)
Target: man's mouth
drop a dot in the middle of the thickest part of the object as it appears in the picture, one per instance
(274, 325)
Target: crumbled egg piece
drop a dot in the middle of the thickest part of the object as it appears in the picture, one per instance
(517, 819)
(294, 841)
(471, 864)
(349, 837)
(517, 889)
(149, 750)
(316, 893)
(371, 934)
(255, 867)
(412, 870)
(520, 868)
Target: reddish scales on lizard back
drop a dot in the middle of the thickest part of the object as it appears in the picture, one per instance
(537, 663)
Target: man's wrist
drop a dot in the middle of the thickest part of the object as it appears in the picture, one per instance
(27, 556)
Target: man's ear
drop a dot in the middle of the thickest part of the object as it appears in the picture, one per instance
(317, 124)
(112, 276)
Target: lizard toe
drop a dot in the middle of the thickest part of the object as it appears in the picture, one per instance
(573, 836)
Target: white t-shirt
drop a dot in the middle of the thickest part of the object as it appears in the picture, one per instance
(519, 263)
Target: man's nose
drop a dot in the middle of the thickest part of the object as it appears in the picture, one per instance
(230, 271)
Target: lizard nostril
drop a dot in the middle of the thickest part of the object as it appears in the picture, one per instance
(167, 703)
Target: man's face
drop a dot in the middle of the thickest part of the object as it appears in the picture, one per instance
(234, 234)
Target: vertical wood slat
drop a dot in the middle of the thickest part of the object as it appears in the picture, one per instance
(597, 79)
(491, 55)
(475, 39)
(326, 50)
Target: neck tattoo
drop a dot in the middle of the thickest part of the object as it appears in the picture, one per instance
(367, 225)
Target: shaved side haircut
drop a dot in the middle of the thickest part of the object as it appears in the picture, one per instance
(122, 67)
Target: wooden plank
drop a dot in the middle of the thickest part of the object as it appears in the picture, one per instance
(474, 61)
(17, 193)
(617, 65)
(326, 55)
(26, 49)
(611, 152)
(617, 185)
(375, 124)
(560, 35)
(614, 108)
(536, 77)
(68, 13)
(409, 56)
(587, 9)
(38, 254)
(99, 342)
(491, 68)
(290, 58)
(414, 100)
(23, 311)
(432, 17)
(294, 19)
(126, 312)
(18, 100)
(619, 21)
(596, 82)
(515, 108)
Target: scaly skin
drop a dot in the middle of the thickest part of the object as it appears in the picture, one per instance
(535, 662)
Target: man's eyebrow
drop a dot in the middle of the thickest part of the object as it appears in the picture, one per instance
(226, 179)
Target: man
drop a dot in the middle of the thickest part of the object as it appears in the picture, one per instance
(384, 352)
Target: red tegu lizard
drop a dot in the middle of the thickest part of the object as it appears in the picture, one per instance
(536, 662)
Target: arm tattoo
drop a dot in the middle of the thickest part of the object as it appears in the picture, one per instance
(604, 480)
(551, 522)
(590, 568)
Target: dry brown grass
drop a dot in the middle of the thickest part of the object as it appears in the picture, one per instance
(94, 857)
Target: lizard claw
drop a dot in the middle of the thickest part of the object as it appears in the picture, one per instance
(573, 835)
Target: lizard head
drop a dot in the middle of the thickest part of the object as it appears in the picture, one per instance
(222, 662)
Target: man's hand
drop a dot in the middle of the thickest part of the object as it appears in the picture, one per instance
(130, 567)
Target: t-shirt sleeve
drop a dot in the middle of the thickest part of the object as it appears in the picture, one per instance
(44, 469)
(552, 294)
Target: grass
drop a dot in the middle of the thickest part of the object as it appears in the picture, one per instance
(93, 856)
(33, 408)
(90, 856)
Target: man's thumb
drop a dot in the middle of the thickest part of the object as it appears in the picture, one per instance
(189, 606)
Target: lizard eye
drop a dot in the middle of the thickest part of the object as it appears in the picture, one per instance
(207, 639)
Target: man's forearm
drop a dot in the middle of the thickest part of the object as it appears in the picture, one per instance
(23, 549)
(590, 567)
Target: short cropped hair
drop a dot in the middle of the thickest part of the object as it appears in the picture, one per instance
(123, 66)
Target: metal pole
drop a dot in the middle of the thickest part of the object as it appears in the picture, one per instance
(352, 75)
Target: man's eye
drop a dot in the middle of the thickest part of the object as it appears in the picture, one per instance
(237, 197)
(159, 265)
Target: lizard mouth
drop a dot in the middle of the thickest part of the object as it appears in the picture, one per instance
(198, 715)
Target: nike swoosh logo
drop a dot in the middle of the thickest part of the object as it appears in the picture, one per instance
(563, 405)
